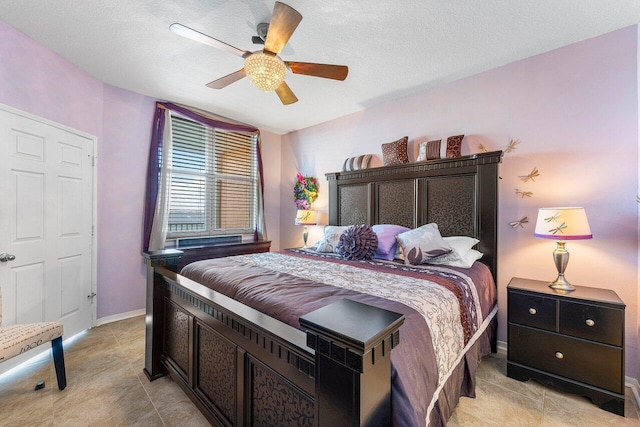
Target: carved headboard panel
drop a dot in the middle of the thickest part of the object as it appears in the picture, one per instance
(460, 195)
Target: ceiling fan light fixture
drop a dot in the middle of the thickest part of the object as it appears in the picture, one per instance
(265, 71)
(264, 67)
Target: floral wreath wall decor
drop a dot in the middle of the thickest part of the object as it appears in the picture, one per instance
(305, 191)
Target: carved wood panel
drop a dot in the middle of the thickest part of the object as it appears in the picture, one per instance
(450, 203)
(354, 204)
(395, 202)
(176, 338)
(477, 217)
(275, 401)
(216, 371)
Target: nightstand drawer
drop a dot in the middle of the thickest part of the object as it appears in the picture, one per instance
(592, 322)
(531, 310)
(591, 363)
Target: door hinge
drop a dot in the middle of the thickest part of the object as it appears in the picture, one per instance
(93, 230)
(93, 161)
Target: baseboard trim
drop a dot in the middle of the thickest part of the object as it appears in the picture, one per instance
(121, 316)
(502, 347)
(633, 384)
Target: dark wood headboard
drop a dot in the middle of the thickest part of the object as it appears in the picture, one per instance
(459, 194)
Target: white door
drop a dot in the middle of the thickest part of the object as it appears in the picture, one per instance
(46, 223)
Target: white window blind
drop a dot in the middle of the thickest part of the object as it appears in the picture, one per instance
(214, 181)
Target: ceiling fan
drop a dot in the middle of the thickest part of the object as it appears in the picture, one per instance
(264, 68)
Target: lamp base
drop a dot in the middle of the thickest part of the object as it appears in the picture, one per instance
(305, 235)
(561, 284)
(561, 259)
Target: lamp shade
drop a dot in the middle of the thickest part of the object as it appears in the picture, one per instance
(562, 224)
(304, 217)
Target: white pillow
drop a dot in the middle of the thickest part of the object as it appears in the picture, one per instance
(331, 238)
(454, 259)
(461, 244)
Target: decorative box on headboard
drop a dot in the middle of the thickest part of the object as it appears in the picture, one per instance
(459, 194)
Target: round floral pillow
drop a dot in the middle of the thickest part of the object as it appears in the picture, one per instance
(358, 242)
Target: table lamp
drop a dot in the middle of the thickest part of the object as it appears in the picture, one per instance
(562, 224)
(305, 217)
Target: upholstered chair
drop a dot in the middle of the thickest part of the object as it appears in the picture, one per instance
(17, 339)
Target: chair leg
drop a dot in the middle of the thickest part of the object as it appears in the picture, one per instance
(58, 361)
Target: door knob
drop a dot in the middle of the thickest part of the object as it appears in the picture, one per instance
(4, 257)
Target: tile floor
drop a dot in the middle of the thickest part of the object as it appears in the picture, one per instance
(106, 387)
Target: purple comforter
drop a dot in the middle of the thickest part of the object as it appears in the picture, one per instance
(287, 297)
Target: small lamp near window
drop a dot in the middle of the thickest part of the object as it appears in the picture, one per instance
(562, 224)
(305, 217)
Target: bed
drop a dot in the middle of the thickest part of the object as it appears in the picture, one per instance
(292, 338)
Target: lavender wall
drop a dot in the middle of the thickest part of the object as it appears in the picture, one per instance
(271, 155)
(122, 158)
(36, 80)
(575, 111)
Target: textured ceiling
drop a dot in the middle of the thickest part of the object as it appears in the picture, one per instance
(392, 48)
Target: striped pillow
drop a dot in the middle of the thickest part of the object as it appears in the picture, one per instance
(356, 163)
(429, 150)
(439, 149)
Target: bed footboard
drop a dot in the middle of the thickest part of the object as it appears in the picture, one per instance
(242, 368)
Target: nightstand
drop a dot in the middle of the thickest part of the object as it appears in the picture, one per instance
(573, 341)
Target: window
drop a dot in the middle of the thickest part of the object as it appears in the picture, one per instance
(214, 179)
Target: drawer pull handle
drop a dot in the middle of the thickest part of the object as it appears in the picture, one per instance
(532, 310)
(590, 322)
(559, 355)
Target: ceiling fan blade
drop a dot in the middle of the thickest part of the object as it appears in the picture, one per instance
(283, 23)
(335, 72)
(192, 34)
(227, 80)
(286, 94)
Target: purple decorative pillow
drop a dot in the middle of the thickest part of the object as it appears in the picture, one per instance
(454, 146)
(387, 244)
(358, 242)
(395, 153)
